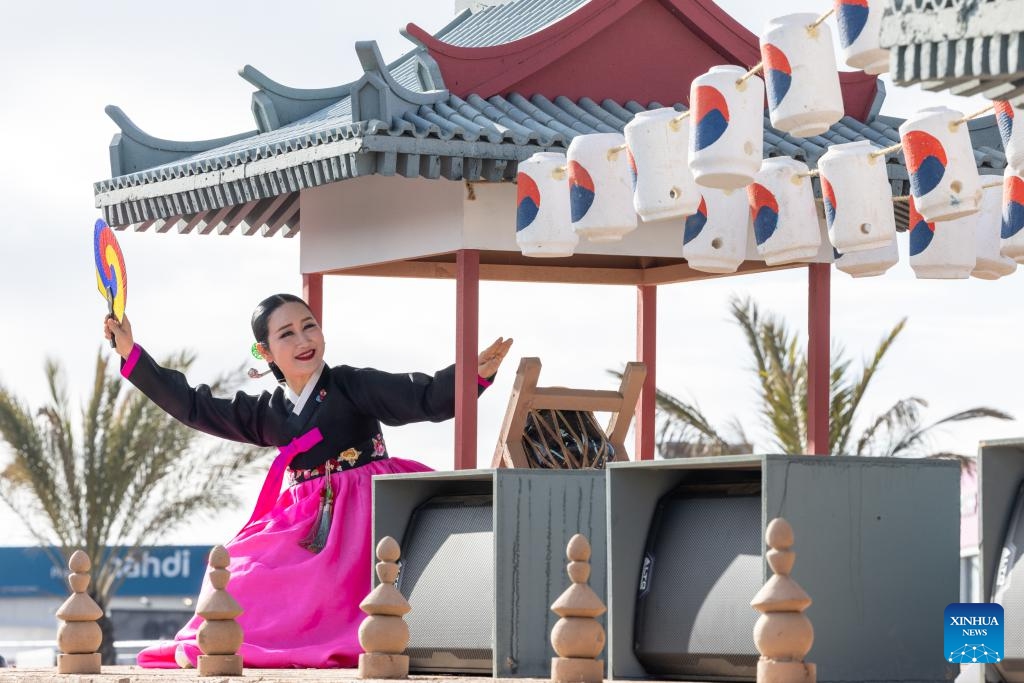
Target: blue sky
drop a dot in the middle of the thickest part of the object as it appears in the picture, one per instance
(172, 68)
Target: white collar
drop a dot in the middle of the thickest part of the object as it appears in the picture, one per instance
(299, 402)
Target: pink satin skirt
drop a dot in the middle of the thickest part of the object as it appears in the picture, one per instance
(301, 609)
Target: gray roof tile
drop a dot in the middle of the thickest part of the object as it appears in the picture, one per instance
(506, 23)
(515, 120)
(442, 135)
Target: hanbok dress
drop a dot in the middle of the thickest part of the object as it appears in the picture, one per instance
(301, 604)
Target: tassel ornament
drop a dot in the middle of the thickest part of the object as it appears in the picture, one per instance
(316, 539)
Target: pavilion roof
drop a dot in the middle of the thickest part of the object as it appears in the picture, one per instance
(968, 48)
(402, 119)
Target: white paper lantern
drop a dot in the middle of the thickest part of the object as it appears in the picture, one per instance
(783, 213)
(1012, 232)
(944, 178)
(715, 236)
(990, 265)
(870, 262)
(941, 250)
(659, 146)
(726, 128)
(543, 227)
(804, 97)
(860, 26)
(1012, 136)
(600, 187)
(857, 196)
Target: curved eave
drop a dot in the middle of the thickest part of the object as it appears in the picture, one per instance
(133, 150)
(261, 81)
(128, 127)
(734, 41)
(591, 18)
(494, 69)
(500, 66)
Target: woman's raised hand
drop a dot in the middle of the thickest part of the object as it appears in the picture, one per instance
(491, 357)
(121, 332)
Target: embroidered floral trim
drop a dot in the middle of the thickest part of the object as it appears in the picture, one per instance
(346, 460)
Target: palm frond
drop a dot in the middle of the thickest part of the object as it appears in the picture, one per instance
(859, 387)
(131, 477)
(682, 424)
(902, 416)
(916, 436)
(781, 373)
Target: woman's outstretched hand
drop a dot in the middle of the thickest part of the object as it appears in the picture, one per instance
(122, 333)
(491, 357)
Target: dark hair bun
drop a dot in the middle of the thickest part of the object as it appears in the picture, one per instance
(261, 316)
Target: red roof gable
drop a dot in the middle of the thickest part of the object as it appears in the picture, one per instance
(643, 50)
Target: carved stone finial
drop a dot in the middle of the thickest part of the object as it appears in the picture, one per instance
(220, 636)
(783, 634)
(384, 634)
(578, 637)
(79, 636)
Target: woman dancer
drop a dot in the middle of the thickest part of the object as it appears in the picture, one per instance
(301, 565)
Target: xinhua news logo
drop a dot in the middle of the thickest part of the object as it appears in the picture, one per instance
(973, 633)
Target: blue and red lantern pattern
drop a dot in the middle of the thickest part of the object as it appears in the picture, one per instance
(764, 212)
(710, 116)
(778, 74)
(921, 231)
(1004, 120)
(695, 223)
(926, 161)
(581, 191)
(528, 202)
(1013, 206)
(851, 17)
(632, 167)
(829, 199)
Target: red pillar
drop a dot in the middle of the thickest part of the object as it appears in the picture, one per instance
(819, 277)
(313, 293)
(646, 351)
(467, 322)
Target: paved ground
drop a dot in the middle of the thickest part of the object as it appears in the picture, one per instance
(134, 674)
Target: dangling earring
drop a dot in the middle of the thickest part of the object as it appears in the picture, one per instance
(253, 372)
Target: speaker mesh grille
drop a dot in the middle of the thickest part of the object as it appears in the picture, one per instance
(704, 566)
(448, 577)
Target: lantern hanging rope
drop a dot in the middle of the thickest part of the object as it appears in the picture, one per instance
(679, 119)
(817, 22)
(759, 67)
(754, 70)
(907, 197)
(974, 115)
(613, 152)
(885, 151)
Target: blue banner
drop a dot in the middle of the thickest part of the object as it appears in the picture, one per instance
(158, 571)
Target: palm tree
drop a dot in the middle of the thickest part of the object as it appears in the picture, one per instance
(781, 367)
(120, 479)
